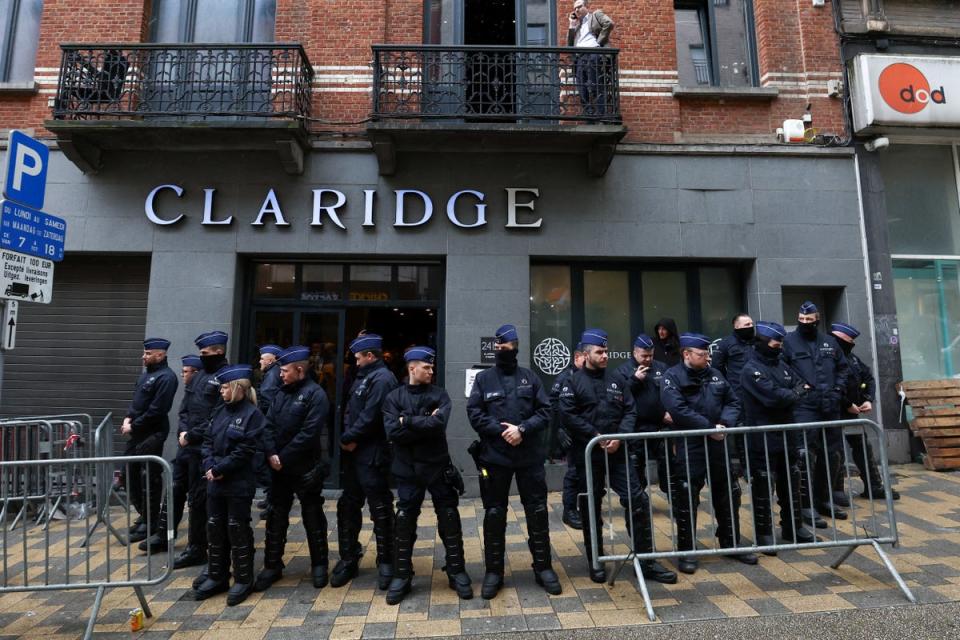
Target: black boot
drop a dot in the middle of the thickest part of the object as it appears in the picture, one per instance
(217, 578)
(494, 547)
(196, 552)
(274, 542)
(157, 543)
(382, 514)
(597, 575)
(639, 523)
(538, 532)
(315, 524)
(685, 516)
(406, 533)
(349, 521)
(763, 510)
(791, 517)
(241, 548)
(451, 534)
(571, 518)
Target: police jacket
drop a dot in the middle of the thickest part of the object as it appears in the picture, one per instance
(419, 439)
(296, 426)
(731, 354)
(363, 420)
(698, 400)
(200, 399)
(152, 400)
(515, 396)
(596, 402)
(767, 390)
(822, 365)
(861, 385)
(556, 421)
(269, 386)
(646, 394)
(228, 447)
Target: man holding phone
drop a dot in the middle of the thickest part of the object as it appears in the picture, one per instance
(590, 29)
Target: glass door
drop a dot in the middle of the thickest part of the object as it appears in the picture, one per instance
(928, 312)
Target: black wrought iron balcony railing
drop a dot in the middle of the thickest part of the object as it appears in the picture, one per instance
(183, 81)
(496, 83)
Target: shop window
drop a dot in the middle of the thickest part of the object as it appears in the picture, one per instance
(923, 214)
(551, 320)
(604, 294)
(19, 34)
(928, 315)
(665, 295)
(719, 299)
(322, 283)
(418, 282)
(370, 282)
(275, 281)
(715, 43)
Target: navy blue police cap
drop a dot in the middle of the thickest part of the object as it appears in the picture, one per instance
(156, 343)
(507, 333)
(233, 372)
(366, 342)
(846, 329)
(210, 339)
(596, 337)
(643, 341)
(423, 354)
(192, 361)
(771, 330)
(298, 353)
(808, 307)
(694, 341)
(272, 349)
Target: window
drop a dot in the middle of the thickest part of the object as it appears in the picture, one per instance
(218, 21)
(19, 33)
(715, 43)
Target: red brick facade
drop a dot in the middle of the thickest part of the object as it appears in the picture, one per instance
(797, 46)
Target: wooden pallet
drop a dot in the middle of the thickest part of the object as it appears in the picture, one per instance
(936, 420)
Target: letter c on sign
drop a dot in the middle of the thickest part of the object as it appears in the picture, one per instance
(152, 214)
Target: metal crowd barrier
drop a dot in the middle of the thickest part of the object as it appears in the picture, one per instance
(45, 559)
(107, 493)
(868, 524)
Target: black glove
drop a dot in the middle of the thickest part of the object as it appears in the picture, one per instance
(313, 480)
(801, 389)
(452, 477)
(564, 441)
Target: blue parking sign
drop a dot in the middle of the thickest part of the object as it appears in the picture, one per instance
(27, 161)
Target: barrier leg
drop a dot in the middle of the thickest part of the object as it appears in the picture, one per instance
(893, 571)
(93, 613)
(842, 559)
(642, 584)
(143, 602)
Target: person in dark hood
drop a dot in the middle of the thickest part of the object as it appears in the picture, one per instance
(666, 345)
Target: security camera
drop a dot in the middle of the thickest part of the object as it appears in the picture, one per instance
(876, 144)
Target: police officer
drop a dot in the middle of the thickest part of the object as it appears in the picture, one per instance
(365, 459)
(820, 362)
(734, 350)
(858, 398)
(571, 511)
(415, 417)
(510, 411)
(270, 384)
(228, 447)
(147, 426)
(296, 429)
(595, 403)
(770, 390)
(698, 397)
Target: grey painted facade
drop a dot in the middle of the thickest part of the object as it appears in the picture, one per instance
(794, 220)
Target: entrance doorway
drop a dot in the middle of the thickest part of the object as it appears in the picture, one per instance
(326, 305)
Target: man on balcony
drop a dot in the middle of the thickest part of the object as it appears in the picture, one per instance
(590, 29)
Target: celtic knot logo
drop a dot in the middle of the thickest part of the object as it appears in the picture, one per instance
(551, 356)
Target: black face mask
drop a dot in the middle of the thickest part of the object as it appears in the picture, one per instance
(765, 350)
(846, 346)
(506, 359)
(807, 329)
(213, 362)
(746, 334)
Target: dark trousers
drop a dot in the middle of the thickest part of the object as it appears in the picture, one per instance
(571, 482)
(591, 84)
(146, 479)
(494, 491)
(689, 469)
(824, 448)
(364, 481)
(411, 492)
(229, 534)
(189, 486)
(774, 471)
(628, 487)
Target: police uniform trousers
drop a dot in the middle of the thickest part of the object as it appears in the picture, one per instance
(628, 486)
(368, 481)
(494, 492)
(229, 534)
(824, 449)
(571, 484)
(772, 469)
(146, 479)
(861, 451)
(309, 490)
(410, 495)
(690, 468)
(189, 487)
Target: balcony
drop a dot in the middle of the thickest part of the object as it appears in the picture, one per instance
(495, 99)
(182, 97)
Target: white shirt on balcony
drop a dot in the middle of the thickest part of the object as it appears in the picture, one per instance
(584, 36)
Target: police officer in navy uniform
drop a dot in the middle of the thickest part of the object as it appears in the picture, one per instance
(365, 458)
(770, 389)
(857, 401)
(698, 397)
(596, 402)
(147, 426)
(571, 510)
(270, 384)
(415, 417)
(292, 443)
(819, 360)
(734, 350)
(509, 408)
(228, 447)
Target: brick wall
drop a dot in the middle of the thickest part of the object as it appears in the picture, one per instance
(797, 54)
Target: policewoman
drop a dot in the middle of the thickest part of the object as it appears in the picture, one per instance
(415, 416)
(510, 410)
(228, 447)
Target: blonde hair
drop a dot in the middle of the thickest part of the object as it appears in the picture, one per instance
(249, 393)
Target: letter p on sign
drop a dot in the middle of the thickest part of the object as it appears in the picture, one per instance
(27, 161)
